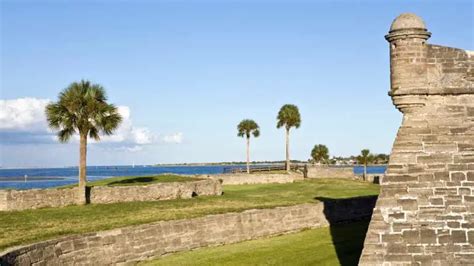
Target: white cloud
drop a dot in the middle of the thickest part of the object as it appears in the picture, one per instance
(24, 120)
(24, 114)
(134, 148)
(173, 138)
(142, 136)
(129, 148)
(127, 133)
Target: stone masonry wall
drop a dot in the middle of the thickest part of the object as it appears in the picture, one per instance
(152, 240)
(425, 212)
(37, 198)
(3, 199)
(330, 172)
(41, 198)
(261, 178)
(160, 191)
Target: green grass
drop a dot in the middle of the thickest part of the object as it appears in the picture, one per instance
(22, 227)
(138, 180)
(337, 245)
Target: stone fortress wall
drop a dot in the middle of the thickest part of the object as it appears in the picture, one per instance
(321, 171)
(261, 178)
(314, 171)
(59, 197)
(14, 200)
(425, 212)
(135, 243)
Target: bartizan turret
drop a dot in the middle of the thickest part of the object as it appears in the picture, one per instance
(425, 211)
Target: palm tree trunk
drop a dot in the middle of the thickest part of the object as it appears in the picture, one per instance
(365, 171)
(82, 168)
(248, 155)
(288, 150)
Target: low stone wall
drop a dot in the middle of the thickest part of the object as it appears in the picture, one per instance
(261, 178)
(315, 171)
(37, 198)
(41, 198)
(152, 240)
(160, 191)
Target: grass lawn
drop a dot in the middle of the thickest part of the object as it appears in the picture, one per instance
(21, 227)
(337, 245)
(138, 180)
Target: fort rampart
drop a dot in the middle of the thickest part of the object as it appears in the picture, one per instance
(143, 242)
(11, 200)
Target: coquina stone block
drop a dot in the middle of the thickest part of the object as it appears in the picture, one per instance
(425, 212)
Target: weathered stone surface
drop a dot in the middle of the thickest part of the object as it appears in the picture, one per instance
(241, 179)
(3, 199)
(37, 198)
(330, 172)
(427, 193)
(160, 191)
(42, 198)
(322, 171)
(125, 245)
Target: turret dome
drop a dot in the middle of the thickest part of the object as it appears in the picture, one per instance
(407, 21)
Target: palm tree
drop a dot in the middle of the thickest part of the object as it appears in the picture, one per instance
(365, 158)
(82, 109)
(320, 153)
(246, 128)
(288, 117)
(381, 158)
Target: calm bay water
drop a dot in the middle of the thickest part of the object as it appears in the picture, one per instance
(53, 177)
(380, 169)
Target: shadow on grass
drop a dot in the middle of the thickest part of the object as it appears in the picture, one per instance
(133, 181)
(348, 240)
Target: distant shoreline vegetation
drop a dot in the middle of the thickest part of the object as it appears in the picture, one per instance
(261, 163)
(227, 163)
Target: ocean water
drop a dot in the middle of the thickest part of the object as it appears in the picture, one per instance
(54, 177)
(379, 169)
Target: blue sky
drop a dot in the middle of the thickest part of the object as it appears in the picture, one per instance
(187, 72)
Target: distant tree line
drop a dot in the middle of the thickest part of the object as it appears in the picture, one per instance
(320, 155)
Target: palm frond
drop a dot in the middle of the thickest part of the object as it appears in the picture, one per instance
(247, 127)
(94, 134)
(65, 134)
(82, 108)
(288, 117)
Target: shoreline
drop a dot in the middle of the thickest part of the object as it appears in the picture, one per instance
(179, 165)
